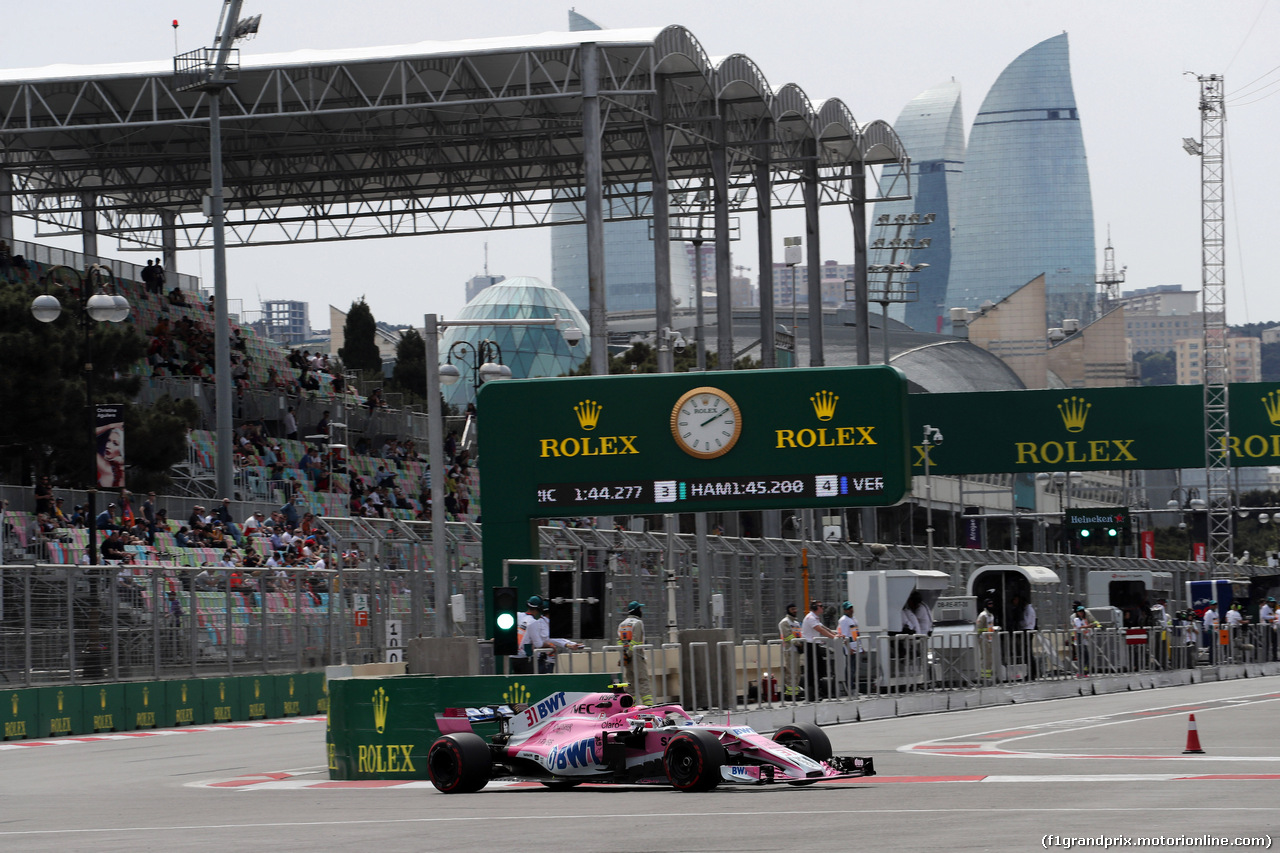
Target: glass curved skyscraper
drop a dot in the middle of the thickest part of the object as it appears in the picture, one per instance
(1025, 206)
(931, 127)
(528, 350)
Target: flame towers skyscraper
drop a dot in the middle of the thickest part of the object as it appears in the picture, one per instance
(1025, 207)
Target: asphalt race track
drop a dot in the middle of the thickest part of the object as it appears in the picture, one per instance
(997, 779)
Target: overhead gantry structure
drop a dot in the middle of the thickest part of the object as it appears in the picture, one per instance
(436, 137)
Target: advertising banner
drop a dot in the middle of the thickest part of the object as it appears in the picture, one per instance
(109, 438)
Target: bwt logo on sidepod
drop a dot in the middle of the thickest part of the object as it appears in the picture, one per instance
(580, 754)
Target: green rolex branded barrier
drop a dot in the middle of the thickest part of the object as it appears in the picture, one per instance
(185, 703)
(146, 704)
(19, 713)
(381, 728)
(60, 710)
(79, 709)
(104, 708)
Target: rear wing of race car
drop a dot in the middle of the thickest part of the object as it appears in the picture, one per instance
(454, 720)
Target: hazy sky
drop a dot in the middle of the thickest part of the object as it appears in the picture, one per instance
(1128, 59)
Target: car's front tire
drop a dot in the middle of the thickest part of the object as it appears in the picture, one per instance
(806, 739)
(459, 763)
(693, 760)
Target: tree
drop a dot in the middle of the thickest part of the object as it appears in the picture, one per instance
(156, 440)
(1156, 368)
(361, 349)
(410, 374)
(44, 419)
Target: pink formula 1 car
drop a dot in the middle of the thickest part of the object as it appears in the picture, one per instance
(571, 738)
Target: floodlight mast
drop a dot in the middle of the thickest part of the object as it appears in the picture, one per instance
(212, 70)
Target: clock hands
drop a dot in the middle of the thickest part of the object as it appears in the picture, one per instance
(713, 417)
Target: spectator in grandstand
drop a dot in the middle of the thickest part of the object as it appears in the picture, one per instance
(183, 537)
(105, 520)
(383, 477)
(290, 424)
(127, 588)
(322, 428)
(253, 524)
(450, 447)
(161, 278)
(112, 548)
(148, 276)
(59, 516)
(44, 496)
(149, 517)
(77, 516)
(177, 297)
(205, 581)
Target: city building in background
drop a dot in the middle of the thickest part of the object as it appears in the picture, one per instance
(1244, 360)
(931, 127)
(477, 283)
(1025, 207)
(1156, 318)
(285, 321)
(528, 351)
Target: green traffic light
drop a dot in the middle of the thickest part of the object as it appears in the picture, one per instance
(1085, 533)
(1112, 532)
(506, 621)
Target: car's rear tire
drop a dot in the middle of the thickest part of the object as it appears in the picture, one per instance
(693, 760)
(806, 739)
(459, 763)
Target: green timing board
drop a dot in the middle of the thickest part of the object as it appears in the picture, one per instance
(692, 442)
(685, 442)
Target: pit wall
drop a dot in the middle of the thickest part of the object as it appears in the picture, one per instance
(40, 712)
(382, 727)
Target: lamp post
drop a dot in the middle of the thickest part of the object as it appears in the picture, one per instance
(101, 307)
(432, 326)
(484, 359)
(1189, 502)
(791, 256)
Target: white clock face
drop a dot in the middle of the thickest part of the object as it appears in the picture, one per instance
(706, 422)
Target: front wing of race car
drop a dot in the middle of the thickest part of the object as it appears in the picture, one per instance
(837, 767)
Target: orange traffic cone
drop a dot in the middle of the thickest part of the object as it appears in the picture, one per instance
(1193, 738)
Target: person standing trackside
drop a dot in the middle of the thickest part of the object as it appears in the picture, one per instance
(847, 628)
(1267, 619)
(635, 668)
(789, 633)
(986, 627)
(812, 631)
(528, 636)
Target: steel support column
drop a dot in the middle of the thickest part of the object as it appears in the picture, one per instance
(89, 227)
(813, 248)
(764, 248)
(724, 270)
(435, 465)
(592, 163)
(661, 200)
